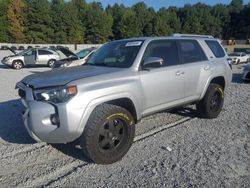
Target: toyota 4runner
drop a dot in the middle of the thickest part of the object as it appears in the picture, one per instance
(100, 102)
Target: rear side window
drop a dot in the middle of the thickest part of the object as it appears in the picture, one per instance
(165, 49)
(44, 52)
(191, 51)
(215, 48)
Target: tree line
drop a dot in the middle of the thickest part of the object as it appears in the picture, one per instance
(75, 21)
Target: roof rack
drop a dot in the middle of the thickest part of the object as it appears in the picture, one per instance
(192, 35)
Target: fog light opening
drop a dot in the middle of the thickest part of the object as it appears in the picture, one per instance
(54, 118)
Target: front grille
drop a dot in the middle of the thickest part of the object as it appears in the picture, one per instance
(248, 75)
(21, 93)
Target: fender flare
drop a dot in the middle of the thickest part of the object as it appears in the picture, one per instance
(100, 100)
(208, 83)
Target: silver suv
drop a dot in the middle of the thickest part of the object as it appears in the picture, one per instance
(34, 56)
(100, 103)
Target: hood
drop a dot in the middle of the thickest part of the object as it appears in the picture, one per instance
(9, 57)
(10, 49)
(67, 52)
(62, 76)
(60, 62)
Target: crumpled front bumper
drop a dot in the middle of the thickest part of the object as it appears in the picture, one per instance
(5, 62)
(37, 119)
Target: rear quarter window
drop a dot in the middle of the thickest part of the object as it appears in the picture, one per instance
(216, 48)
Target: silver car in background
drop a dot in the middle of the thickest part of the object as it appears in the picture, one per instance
(74, 59)
(34, 56)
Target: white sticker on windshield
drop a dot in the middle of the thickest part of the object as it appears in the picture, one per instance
(136, 43)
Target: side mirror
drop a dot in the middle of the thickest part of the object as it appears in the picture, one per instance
(152, 62)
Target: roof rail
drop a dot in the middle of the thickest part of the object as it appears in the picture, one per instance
(192, 35)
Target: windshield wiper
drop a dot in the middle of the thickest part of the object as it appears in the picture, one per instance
(98, 64)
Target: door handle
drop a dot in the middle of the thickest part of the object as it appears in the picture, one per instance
(207, 67)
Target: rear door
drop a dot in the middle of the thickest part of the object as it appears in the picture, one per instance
(162, 86)
(43, 57)
(196, 67)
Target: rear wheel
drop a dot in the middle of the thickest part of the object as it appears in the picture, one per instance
(108, 134)
(17, 65)
(51, 63)
(211, 104)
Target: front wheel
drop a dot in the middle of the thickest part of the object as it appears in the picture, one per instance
(108, 134)
(211, 104)
(17, 65)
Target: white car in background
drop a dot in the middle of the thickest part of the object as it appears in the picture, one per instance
(239, 57)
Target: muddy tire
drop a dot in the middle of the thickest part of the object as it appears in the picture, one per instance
(211, 104)
(108, 134)
(17, 65)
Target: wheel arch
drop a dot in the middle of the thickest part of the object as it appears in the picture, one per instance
(126, 103)
(124, 100)
(18, 60)
(51, 60)
(218, 79)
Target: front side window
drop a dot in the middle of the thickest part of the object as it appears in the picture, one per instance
(116, 54)
(30, 53)
(24, 52)
(191, 51)
(165, 49)
(215, 48)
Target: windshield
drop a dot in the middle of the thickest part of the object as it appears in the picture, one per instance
(23, 52)
(83, 53)
(116, 54)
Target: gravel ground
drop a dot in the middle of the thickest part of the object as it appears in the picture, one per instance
(172, 149)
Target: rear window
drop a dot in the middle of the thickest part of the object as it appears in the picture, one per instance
(215, 48)
(191, 51)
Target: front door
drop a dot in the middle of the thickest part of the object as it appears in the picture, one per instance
(163, 86)
(30, 57)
